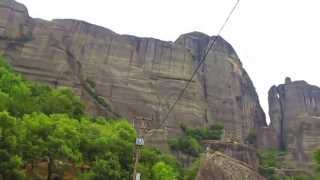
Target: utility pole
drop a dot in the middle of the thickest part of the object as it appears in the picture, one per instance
(139, 144)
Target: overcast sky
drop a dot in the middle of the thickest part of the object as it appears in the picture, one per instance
(273, 38)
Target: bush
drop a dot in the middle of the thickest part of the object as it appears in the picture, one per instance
(107, 168)
(251, 139)
(163, 171)
(192, 172)
(214, 132)
(270, 161)
(189, 143)
(150, 157)
(316, 157)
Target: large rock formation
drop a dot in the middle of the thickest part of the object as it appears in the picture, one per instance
(138, 78)
(218, 166)
(241, 152)
(294, 109)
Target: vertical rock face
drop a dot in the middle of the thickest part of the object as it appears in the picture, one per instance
(139, 78)
(295, 115)
(14, 21)
(228, 92)
(267, 139)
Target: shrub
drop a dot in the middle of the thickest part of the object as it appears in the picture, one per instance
(163, 171)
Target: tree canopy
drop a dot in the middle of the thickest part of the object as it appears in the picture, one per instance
(41, 124)
(189, 142)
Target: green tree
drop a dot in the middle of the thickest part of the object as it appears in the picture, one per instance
(54, 137)
(190, 146)
(19, 92)
(61, 100)
(151, 156)
(4, 101)
(186, 144)
(192, 171)
(4, 64)
(107, 168)
(189, 143)
(10, 161)
(162, 171)
(316, 158)
(214, 132)
(103, 140)
(43, 123)
(9, 166)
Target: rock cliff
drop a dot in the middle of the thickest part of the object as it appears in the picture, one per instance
(294, 109)
(217, 166)
(240, 152)
(136, 78)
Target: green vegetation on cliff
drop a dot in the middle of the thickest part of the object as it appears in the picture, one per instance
(188, 147)
(317, 160)
(189, 143)
(272, 163)
(45, 134)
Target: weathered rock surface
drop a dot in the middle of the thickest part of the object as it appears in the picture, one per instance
(295, 115)
(267, 139)
(237, 151)
(218, 166)
(229, 94)
(139, 78)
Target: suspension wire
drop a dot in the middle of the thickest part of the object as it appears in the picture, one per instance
(202, 60)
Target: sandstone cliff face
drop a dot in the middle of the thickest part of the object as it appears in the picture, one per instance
(218, 166)
(229, 94)
(267, 139)
(138, 77)
(295, 115)
(237, 151)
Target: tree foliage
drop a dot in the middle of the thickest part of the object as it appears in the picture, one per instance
(10, 160)
(214, 132)
(150, 157)
(271, 162)
(192, 171)
(61, 100)
(317, 160)
(251, 139)
(39, 124)
(162, 171)
(189, 143)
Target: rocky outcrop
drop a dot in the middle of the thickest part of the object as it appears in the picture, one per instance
(14, 22)
(229, 94)
(138, 78)
(237, 151)
(294, 109)
(218, 166)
